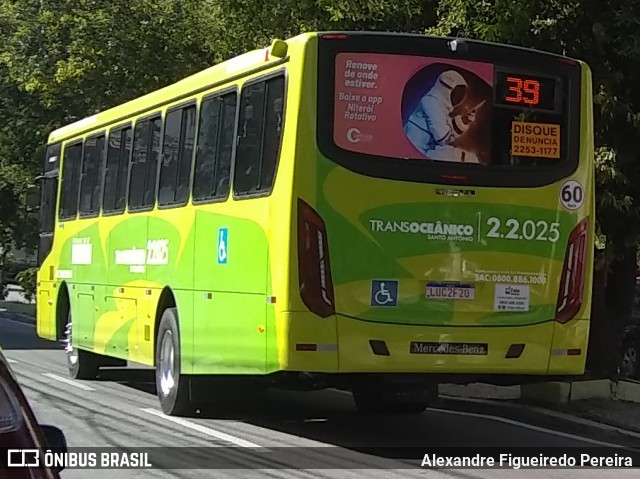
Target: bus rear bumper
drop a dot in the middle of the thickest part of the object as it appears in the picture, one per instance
(547, 348)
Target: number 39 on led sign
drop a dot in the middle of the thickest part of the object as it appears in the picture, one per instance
(526, 91)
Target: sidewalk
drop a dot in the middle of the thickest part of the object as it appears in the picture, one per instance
(612, 412)
(16, 307)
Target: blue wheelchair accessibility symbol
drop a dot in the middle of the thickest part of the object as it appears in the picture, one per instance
(223, 236)
(384, 292)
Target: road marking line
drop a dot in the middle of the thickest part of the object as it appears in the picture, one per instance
(528, 426)
(513, 422)
(15, 321)
(551, 413)
(70, 382)
(341, 391)
(204, 430)
(11, 361)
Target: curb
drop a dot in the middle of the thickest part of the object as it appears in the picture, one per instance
(548, 418)
(562, 393)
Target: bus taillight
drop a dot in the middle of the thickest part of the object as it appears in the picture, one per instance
(573, 274)
(314, 266)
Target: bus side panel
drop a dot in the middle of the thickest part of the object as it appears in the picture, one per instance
(74, 248)
(45, 322)
(126, 246)
(170, 259)
(116, 310)
(46, 298)
(230, 270)
(300, 325)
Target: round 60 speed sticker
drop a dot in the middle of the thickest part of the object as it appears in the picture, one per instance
(572, 195)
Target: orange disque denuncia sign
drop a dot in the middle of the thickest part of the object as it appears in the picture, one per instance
(535, 139)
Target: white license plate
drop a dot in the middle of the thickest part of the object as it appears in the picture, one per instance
(450, 292)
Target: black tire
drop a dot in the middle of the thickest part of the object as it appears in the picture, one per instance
(173, 392)
(376, 400)
(82, 365)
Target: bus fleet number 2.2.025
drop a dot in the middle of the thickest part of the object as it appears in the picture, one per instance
(528, 230)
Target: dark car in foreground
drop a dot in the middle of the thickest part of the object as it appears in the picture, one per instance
(19, 429)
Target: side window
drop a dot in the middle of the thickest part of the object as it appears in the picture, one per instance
(90, 183)
(49, 189)
(48, 204)
(272, 132)
(71, 167)
(215, 147)
(144, 163)
(177, 154)
(152, 165)
(259, 136)
(115, 178)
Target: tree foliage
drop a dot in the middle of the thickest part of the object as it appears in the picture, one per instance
(63, 60)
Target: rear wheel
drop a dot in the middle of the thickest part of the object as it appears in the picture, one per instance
(172, 386)
(81, 364)
(379, 399)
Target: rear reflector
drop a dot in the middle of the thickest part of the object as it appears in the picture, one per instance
(566, 352)
(379, 347)
(306, 347)
(515, 351)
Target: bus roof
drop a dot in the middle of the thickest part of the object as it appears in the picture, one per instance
(219, 73)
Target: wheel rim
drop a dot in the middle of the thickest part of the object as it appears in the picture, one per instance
(72, 353)
(167, 364)
(629, 360)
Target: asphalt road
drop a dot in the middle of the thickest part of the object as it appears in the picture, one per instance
(122, 411)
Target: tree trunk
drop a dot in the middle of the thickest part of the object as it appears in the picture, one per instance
(620, 291)
(613, 294)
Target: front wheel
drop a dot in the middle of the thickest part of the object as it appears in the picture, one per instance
(172, 386)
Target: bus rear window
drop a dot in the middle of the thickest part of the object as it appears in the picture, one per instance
(429, 108)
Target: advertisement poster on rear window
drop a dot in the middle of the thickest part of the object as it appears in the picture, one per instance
(413, 107)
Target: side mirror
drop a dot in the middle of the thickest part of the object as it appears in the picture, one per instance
(32, 197)
(55, 440)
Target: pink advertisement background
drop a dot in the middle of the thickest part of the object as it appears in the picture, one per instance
(385, 136)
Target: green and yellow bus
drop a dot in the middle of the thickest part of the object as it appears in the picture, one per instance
(368, 211)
